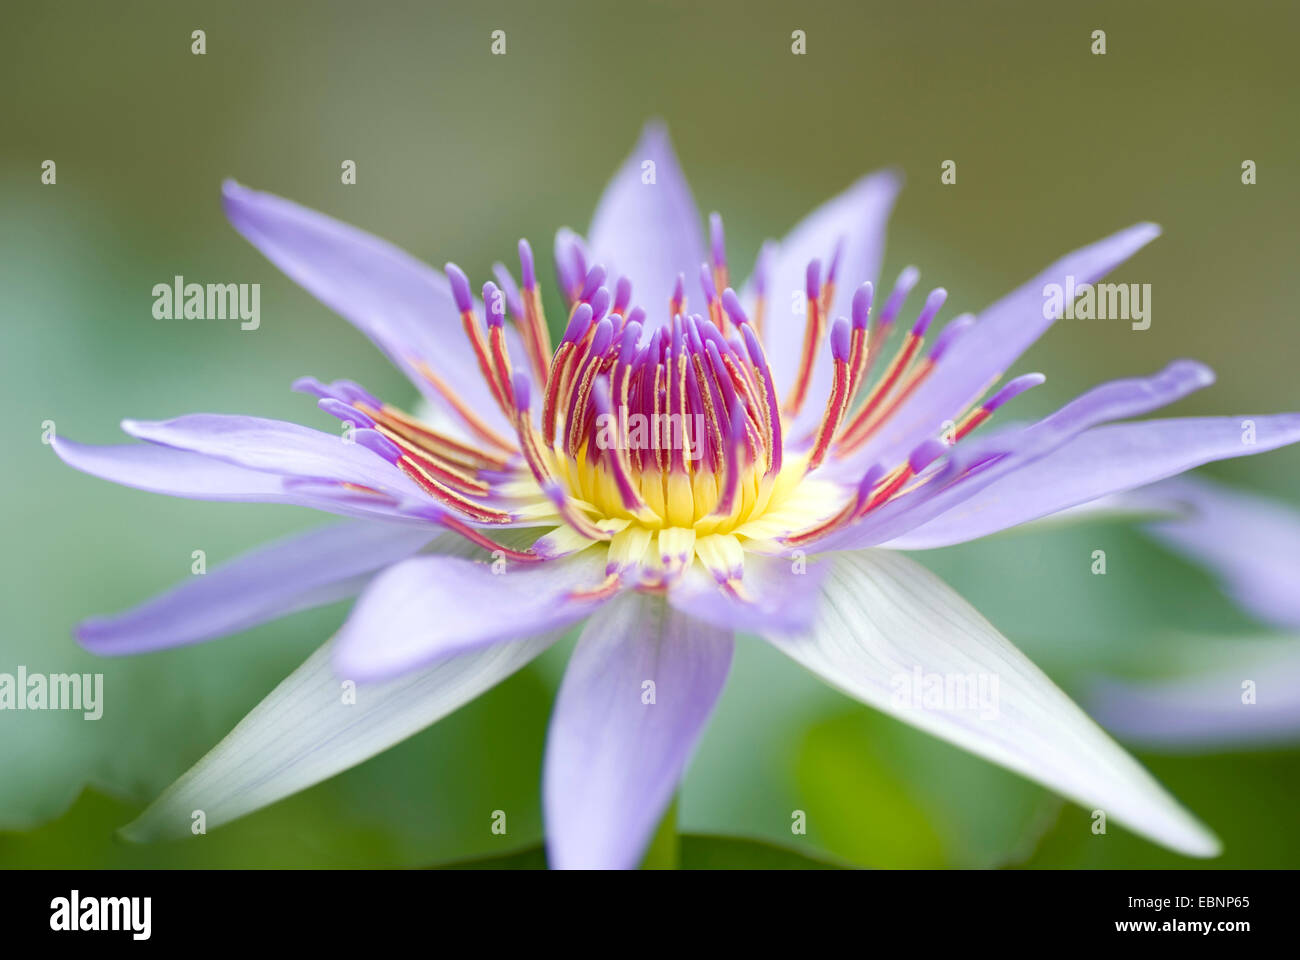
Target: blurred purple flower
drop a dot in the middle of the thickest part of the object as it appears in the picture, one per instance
(1240, 692)
(816, 456)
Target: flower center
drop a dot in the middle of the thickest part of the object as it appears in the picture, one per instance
(681, 431)
(668, 434)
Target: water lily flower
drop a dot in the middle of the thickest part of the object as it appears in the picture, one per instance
(793, 449)
(1236, 692)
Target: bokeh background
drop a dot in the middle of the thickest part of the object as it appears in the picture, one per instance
(459, 153)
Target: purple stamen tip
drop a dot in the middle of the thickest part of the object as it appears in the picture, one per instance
(679, 288)
(658, 344)
(523, 391)
(693, 336)
(353, 392)
(595, 277)
(898, 296)
(622, 294)
(812, 279)
(731, 304)
(949, 335)
(459, 288)
(932, 304)
(637, 316)
(1014, 389)
(718, 243)
(570, 269)
(862, 305)
(509, 288)
(578, 323)
(752, 345)
(345, 412)
(870, 479)
(494, 303)
(631, 334)
(310, 385)
(600, 301)
(706, 281)
(924, 455)
(569, 246)
(603, 337)
(376, 442)
(527, 268)
(840, 340)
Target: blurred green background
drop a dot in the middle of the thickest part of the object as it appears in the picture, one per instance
(458, 154)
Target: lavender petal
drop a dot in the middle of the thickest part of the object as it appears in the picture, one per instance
(613, 758)
(404, 306)
(1101, 461)
(1250, 542)
(296, 573)
(428, 608)
(646, 231)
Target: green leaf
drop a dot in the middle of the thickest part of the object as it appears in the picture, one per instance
(529, 858)
(665, 850)
(701, 852)
(858, 805)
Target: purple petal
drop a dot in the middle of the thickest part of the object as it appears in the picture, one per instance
(648, 232)
(1014, 447)
(778, 595)
(177, 473)
(404, 306)
(279, 447)
(1098, 462)
(1207, 709)
(182, 473)
(1251, 543)
(613, 759)
(272, 581)
(428, 608)
(858, 217)
(1000, 335)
